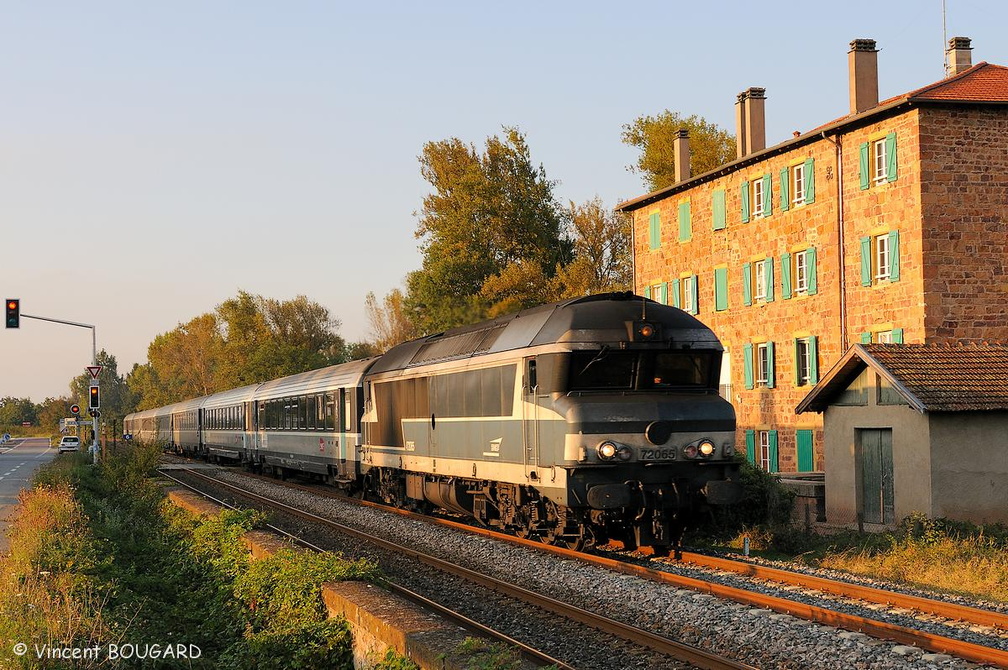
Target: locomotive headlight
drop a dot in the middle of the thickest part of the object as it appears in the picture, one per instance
(607, 451)
(690, 451)
(624, 452)
(706, 448)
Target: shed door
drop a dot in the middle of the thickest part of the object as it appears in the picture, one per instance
(876, 461)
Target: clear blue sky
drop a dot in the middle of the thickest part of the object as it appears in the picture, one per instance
(155, 158)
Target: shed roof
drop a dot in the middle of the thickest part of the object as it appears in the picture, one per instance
(932, 377)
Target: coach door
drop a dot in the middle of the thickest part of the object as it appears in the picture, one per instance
(530, 420)
(875, 462)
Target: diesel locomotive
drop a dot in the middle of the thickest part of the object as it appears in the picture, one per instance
(574, 423)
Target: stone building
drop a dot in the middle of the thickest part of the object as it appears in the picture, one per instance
(915, 428)
(889, 224)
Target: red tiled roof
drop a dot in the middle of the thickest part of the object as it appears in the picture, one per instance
(981, 83)
(933, 377)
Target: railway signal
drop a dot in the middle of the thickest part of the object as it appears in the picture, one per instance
(94, 400)
(13, 306)
(75, 410)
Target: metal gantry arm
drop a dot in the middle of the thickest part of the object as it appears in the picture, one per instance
(94, 361)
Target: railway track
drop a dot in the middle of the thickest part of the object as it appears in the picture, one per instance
(879, 629)
(643, 638)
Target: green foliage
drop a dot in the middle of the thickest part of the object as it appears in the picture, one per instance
(602, 261)
(492, 656)
(394, 661)
(710, 146)
(764, 502)
(488, 212)
(247, 340)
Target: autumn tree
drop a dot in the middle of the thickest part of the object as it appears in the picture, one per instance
(390, 322)
(710, 146)
(491, 213)
(601, 263)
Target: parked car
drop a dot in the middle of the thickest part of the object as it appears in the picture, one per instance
(69, 443)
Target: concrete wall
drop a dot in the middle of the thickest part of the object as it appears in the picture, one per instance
(911, 457)
(969, 456)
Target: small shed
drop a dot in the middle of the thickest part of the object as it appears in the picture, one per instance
(915, 428)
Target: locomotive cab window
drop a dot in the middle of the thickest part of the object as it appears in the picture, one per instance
(604, 369)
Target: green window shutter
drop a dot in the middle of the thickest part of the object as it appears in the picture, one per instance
(767, 195)
(685, 224)
(647, 292)
(747, 283)
(865, 338)
(810, 267)
(785, 276)
(866, 261)
(750, 446)
(809, 180)
(663, 294)
(747, 365)
(890, 149)
(806, 461)
(720, 289)
(770, 378)
(864, 166)
(785, 188)
(675, 292)
(769, 279)
(696, 296)
(894, 269)
(813, 352)
(774, 461)
(654, 230)
(719, 209)
(744, 194)
(897, 335)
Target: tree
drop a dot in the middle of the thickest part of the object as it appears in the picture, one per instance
(488, 211)
(390, 323)
(601, 251)
(710, 146)
(117, 399)
(15, 411)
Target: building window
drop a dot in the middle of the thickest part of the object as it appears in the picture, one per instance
(806, 361)
(685, 222)
(806, 455)
(761, 449)
(801, 272)
(719, 210)
(654, 230)
(765, 461)
(760, 286)
(880, 258)
(798, 273)
(758, 364)
(757, 198)
(885, 337)
(689, 291)
(878, 161)
(762, 364)
(659, 293)
(893, 336)
(720, 289)
(798, 185)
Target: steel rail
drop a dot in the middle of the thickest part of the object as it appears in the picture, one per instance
(678, 650)
(530, 653)
(879, 629)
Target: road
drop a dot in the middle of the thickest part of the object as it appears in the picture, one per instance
(19, 459)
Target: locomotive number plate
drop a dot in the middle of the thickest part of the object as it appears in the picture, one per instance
(657, 454)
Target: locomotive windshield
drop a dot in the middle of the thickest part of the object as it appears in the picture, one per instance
(608, 369)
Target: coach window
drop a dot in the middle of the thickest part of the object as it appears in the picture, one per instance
(311, 412)
(330, 411)
(348, 414)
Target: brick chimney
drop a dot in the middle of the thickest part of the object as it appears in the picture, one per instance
(750, 121)
(957, 56)
(681, 154)
(741, 146)
(755, 115)
(862, 61)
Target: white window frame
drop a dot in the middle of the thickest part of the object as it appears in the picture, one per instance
(884, 337)
(798, 185)
(764, 450)
(757, 210)
(759, 290)
(762, 364)
(686, 299)
(881, 247)
(801, 272)
(880, 162)
(656, 294)
(804, 362)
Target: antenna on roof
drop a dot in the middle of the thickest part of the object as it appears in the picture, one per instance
(944, 41)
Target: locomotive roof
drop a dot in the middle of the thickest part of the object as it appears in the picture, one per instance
(313, 381)
(587, 321)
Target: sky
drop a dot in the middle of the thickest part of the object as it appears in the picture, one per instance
(158, 157)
